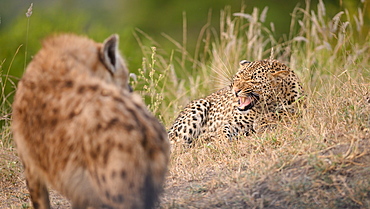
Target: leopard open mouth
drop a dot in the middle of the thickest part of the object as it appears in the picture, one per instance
(247, 102)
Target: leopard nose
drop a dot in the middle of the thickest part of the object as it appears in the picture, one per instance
(236, 91)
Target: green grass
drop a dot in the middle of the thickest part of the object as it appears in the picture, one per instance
(319, 160)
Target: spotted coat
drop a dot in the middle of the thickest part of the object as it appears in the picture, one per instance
(260, 92)
(80, 130)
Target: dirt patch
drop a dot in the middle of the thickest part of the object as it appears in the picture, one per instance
(14, 192)
(337, 177)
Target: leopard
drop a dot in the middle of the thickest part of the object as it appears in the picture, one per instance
(80, 129)
(261, 93)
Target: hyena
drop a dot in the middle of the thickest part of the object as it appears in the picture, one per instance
(79, 128)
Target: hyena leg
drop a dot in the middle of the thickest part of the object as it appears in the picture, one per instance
(38, 190)
(189, 125)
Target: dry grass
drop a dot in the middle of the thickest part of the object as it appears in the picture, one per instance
(317, 160)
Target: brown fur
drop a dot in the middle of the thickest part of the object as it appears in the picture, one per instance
(79, 129)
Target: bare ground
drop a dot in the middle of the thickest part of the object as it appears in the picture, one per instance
(336, 177)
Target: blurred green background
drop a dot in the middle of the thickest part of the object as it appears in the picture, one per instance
(98, 19)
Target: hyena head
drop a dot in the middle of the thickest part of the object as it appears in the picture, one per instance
(100, 59)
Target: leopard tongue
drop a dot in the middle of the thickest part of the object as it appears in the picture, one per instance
(244, 101)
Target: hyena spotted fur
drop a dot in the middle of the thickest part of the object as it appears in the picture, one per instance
(79, 129)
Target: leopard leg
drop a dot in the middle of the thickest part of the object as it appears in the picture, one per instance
(229, 132)
(241, 124)
(190, 123)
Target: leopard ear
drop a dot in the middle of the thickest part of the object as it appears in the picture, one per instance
(278, 75)
(109, 53)
(243, 62)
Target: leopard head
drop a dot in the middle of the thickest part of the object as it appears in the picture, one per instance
(257, 82)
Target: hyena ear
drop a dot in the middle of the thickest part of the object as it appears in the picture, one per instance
(109, 53)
